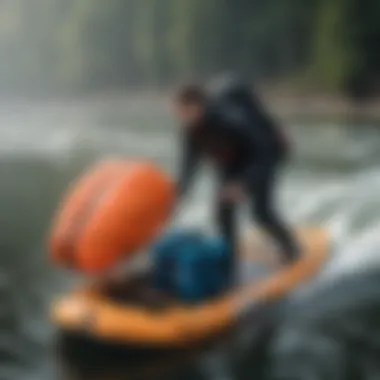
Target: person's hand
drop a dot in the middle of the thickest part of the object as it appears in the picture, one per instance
(233, 192)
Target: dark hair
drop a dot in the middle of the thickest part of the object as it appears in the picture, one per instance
(191, 94)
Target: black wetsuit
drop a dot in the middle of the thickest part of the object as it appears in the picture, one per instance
(247, 147)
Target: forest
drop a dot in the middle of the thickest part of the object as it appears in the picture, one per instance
(92, 45)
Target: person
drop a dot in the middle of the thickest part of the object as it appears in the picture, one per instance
(229, 125)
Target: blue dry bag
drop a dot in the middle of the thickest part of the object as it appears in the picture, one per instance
(190, 265)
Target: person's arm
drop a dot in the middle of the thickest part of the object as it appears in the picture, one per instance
(252, 132)
(261, 133)
(188, 165)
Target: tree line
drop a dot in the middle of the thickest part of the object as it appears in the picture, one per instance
(80, 45)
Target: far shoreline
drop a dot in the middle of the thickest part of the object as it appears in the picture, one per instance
(287, 105)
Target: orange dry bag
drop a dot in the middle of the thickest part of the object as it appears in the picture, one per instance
(111, 212)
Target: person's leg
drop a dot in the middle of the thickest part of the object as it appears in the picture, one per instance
(263, 208)
(226, 223)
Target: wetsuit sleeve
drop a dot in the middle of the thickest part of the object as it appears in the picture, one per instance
(263, 142)
(253, 131)
(189, 163)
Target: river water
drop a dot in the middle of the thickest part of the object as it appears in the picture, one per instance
(332, 332)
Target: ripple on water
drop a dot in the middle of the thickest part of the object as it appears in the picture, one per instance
(326, 184)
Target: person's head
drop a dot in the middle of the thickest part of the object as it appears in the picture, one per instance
(189, 103)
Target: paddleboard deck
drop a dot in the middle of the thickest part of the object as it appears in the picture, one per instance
(131, 312)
